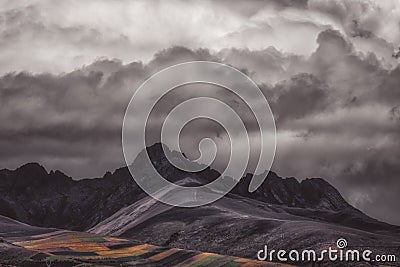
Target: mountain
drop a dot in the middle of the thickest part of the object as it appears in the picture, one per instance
(283, 212)
(32, 195)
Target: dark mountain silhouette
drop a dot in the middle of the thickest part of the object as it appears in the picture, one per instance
(284, 212)
(32, 195)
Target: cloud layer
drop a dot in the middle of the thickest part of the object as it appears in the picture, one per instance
(44, 35)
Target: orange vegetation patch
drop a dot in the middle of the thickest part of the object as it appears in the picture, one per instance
(164, 254)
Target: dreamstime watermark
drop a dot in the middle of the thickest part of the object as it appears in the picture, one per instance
(338, 253)
(156, 87)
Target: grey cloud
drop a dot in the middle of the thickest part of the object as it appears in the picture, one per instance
(389, 91)
(75, 116)
(60, 37)
(302, 95)
(361, 17)
(335, 110)
(267, 66)
(394, 113)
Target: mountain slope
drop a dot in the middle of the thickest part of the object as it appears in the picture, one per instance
(27, 245)
(236, 225)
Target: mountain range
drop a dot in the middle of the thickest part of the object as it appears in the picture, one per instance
(283, 212)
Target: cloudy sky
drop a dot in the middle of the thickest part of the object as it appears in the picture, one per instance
(329, 68)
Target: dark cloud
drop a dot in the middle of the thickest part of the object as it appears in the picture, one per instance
(336, 114)
(302, 95)
(64, 120)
